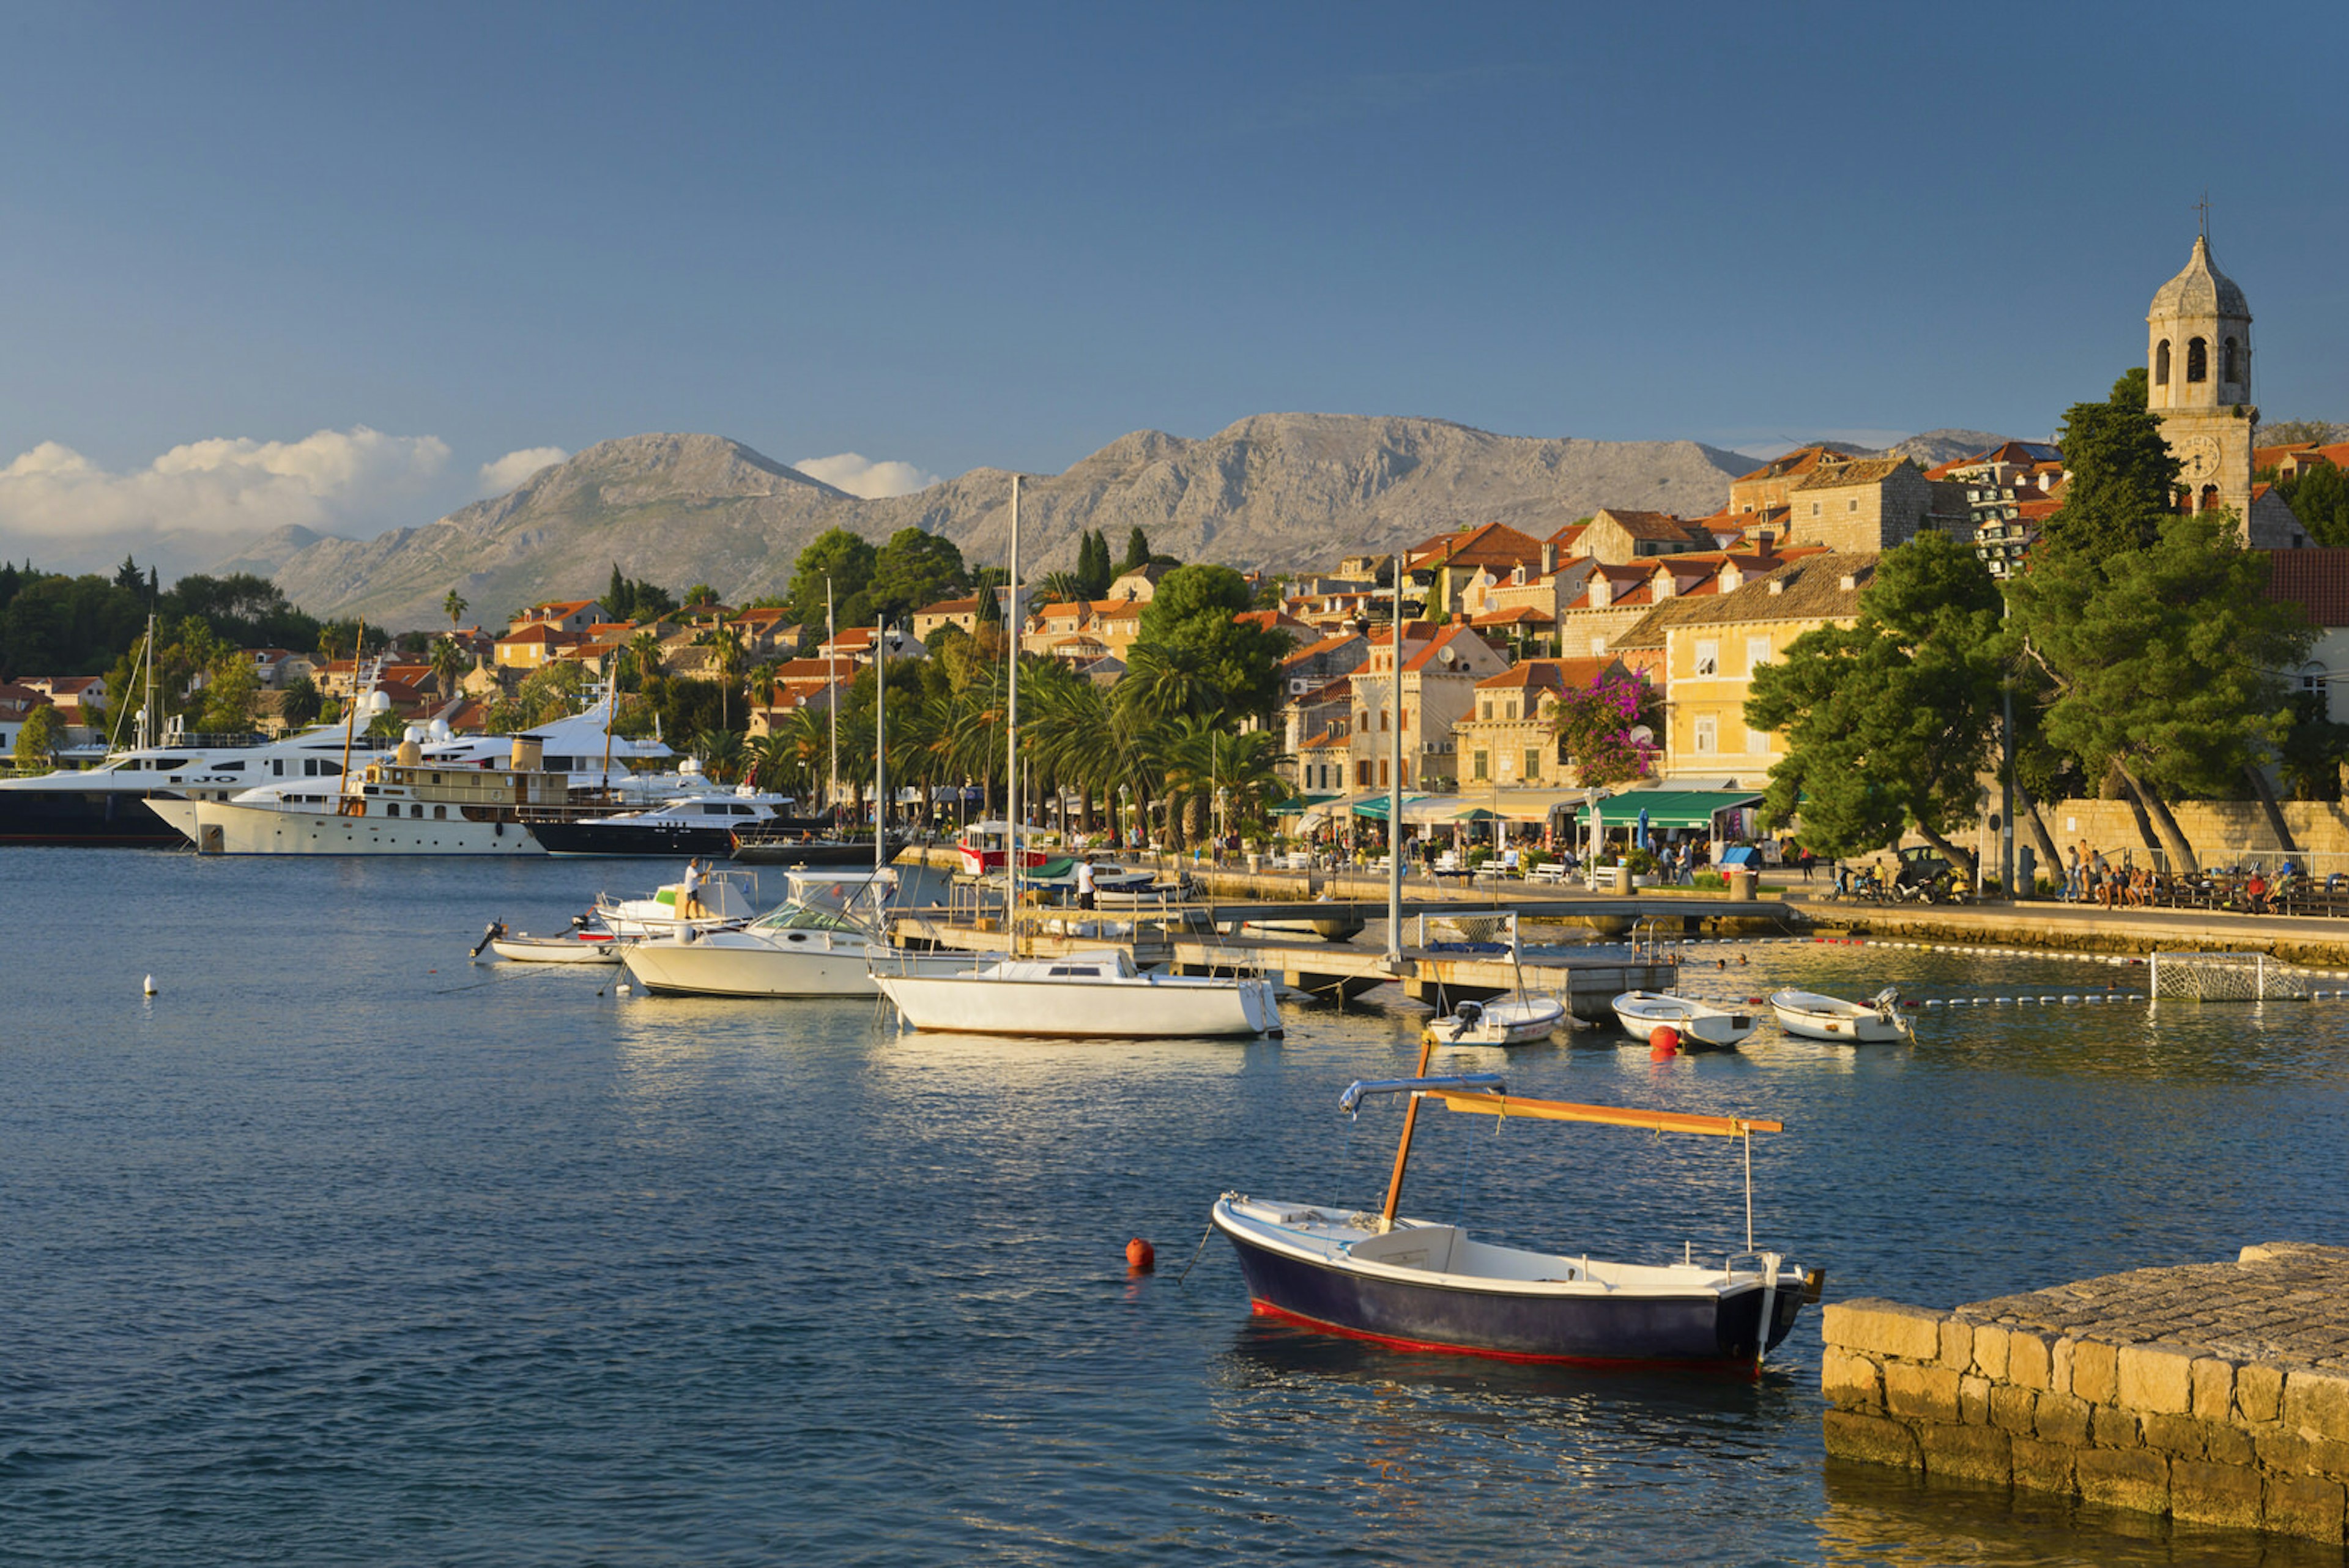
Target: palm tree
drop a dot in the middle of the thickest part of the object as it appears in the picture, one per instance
(1202, 758)
(720, 751)
(1163, 683)
(454, 607)
(645, 649)
(448, 664)
(1058, 587)
(763, 678)
(730, 661)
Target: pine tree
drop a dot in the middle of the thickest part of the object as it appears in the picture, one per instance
(1137, 550)
(618, 601)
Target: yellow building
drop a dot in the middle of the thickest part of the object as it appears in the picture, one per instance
(1712, 646)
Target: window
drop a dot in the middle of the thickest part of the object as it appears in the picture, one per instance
(1708, 657)
(2161, 363)
(1485, 710)
(1383, 719)
(1363, 773)
(1533, 763)
(1477, 765)
(1756, 742)
(1383, 772)
(1366, 720)
(1708, 733)
(1852, 504)
(2228, 363)
(1512, 707)
(1757, 653)
(1815, 508)
(2198, 361)
(439, 813)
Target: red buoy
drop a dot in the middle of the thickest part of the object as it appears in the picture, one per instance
(1141, 1254)
(1663, 1042)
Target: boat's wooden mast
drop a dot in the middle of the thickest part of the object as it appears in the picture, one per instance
(1402, 1149)
(350, 717)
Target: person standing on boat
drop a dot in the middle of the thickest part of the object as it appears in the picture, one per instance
(1085, 883)
(689, 891)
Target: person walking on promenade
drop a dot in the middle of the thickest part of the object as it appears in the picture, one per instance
(1809, 860)
(2072, 879)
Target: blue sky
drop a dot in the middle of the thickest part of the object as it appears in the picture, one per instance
(349, 257)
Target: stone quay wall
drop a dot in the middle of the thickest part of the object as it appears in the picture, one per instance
(2216, 1394)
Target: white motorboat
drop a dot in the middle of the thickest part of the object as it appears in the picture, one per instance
(820, 942)
(1808, 1015)
(1094, 995)
(721, 900)
(1505, 1021)
(1701, 1023)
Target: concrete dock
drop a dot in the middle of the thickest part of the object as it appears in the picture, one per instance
(2215, 1393)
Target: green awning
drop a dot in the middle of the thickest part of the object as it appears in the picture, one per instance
(1298, 805)
(1674, 807)
(1375, 807)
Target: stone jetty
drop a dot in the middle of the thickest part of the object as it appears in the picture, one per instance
(2217, 1394)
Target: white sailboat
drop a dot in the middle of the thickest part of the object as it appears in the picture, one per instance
(1081, 996)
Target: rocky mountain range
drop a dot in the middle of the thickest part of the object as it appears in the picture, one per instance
(1274, 491)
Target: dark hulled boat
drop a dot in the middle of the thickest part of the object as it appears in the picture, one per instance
(1422, 1286)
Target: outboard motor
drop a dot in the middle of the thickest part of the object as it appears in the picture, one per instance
(1887, 1002)
(496, 929)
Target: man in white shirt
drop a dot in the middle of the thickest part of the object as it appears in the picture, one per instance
(1085, 883)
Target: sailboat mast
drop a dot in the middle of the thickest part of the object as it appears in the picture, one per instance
(1011, 732)
(1394, 830)
(832, 699)
(879, 744)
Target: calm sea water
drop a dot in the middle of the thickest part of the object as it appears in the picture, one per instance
(342, 1249)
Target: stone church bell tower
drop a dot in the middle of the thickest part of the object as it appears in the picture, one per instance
(2198, 382)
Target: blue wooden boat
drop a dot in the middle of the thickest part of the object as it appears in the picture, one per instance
(1419, 1285)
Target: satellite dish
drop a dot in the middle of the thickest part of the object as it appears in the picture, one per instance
(438, 730)
(378, 703)
(414, 732)
(690, 767)
(1642, 735)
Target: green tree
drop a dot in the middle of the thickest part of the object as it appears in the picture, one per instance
(300, 703)
(846, 560)
(551, 692)
(1093, 569)
(912, 569)
(1194, 610)
(454, 607)
(2318, 497)
(447, 666)
(1057, 587)
(1137, 550)
(1889, 721)
(231, 691)
(698, 595)
(2124, 478)
(645, 653)
(2161, 663)
(37, 742)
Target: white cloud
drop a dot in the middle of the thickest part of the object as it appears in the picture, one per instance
(225, 487)
(862, 476)
(508, 471)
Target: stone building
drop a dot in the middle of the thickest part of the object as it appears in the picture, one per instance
(1440, 666)
(1874, 503)
(1766, 487)
(1511, 739)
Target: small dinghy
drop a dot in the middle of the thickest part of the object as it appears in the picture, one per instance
(1506, 1021)
(583, 945)
(1811, 1016)
(1420, 1285)
(1698, 1023)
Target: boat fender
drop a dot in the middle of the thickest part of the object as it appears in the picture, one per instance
(1141, 1255)
(1663, 1042)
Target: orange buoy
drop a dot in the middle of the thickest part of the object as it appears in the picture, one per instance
(1663, 1042)
(1141, 1254)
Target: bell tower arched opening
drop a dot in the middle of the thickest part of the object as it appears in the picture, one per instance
(2198, 361)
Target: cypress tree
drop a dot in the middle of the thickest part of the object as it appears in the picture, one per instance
(1137, 549)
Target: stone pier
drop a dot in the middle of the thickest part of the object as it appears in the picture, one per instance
(2217, 1394)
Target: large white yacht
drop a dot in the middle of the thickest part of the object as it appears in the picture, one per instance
(434, 796)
